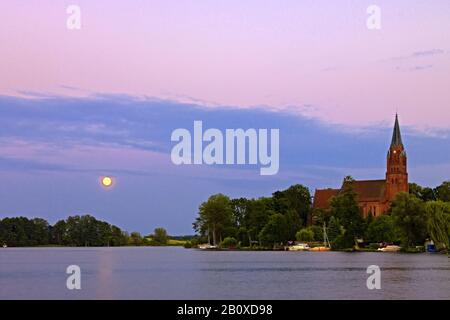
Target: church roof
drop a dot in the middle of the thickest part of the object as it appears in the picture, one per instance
(396, 136)
(323, 196)
(370, 190)
(366, 190)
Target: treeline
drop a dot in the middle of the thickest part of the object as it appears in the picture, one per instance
(264, 221)
(74, 231)
(288, 216)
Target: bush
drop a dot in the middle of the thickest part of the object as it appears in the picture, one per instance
(196, 241)
(187, 245)
(229, 242)
(318, 232)
(305, 234)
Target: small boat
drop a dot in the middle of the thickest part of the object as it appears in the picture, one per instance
(326, 243)
(390, 248)
(321, 248)
(299, 247)
(5, 246)
(205, 246)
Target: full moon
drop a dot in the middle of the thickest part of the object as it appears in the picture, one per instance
(107, 181)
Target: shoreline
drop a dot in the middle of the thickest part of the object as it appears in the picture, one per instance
(349, 250)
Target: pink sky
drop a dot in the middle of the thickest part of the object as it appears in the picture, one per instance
(315, 56)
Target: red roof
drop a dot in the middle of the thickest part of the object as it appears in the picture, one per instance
(370, 190)
(322, 197)
(367, 190)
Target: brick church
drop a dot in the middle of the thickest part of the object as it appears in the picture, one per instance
(375, 196)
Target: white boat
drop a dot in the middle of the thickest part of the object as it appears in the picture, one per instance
(390, 248)
(299, 247)
(5, 246)
(205, 246)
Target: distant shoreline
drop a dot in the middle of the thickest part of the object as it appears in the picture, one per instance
(218, 249)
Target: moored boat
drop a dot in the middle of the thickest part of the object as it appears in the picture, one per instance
(326, 243)
(321, 248)
(206, 246)
(299, 247)
(390, 248)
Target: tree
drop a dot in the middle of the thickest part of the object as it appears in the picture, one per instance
(14, 231)
(160, 236)
(381, 229)
(311, 233)
(258, 216)
(317, 232)
(334, 229)
(86, 231)
(21, 231)
(293, 222)
(345, 208)
(438, 223)
(320, 216)
(409, 216)
(59, 233)
(241, 211)
(135, 239)
(305, 234)
(215, 218)
(39, 233)
(296, 198)
(118, 237)
(75, 231)
(443, 191)
(423, 193)
(274, 232)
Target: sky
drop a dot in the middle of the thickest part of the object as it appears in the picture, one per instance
(103, 100)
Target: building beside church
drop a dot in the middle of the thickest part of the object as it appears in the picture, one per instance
(375, 196)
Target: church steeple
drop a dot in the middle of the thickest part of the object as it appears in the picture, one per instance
(397, 172)
(396, 136)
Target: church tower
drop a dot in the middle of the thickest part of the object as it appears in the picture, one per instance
(396, 174)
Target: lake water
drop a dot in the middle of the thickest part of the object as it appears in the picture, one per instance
(177, 273)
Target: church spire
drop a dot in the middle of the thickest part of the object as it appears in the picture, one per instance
(397, 170)
(396, 136)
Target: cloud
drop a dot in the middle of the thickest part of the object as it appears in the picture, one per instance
(425, 53)
(122, 126)
(414, 68)
(408, 63)
(24, 165)
(416, 54)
